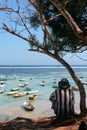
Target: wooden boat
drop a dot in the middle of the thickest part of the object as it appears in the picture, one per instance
(54, 86)
(27, 89)
(54, 82)
(42, 84)
(33, 97)
(31, 78)
(24, 84)
(32, 92)
(14, 89)
(28, 106)
(3, 78)
(2, 91)
(20, 94)
(12, 92)
(2, 84)
(21, 85)
(85, 82)
(44, 81)
(21, 79)
(74, 88)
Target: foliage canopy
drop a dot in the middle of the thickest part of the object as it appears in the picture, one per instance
(63, 35)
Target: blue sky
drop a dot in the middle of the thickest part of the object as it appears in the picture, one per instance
(14, 51)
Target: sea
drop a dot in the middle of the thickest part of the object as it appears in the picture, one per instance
(43, 78)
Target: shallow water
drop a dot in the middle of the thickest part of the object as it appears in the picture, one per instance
(11, 107)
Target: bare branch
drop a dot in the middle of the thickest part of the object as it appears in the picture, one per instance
(7, 9)
(13, 32)
(53, 18)
(43, 21)
(80, 57)
(18, 5)
(34, 42)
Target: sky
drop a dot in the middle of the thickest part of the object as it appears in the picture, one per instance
(14, 51)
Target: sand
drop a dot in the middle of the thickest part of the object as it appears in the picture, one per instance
(44, 123)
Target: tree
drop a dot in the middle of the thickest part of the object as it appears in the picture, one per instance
(77, 30)
(19, 19)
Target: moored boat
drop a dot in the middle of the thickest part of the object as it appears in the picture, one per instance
(32, 92)
(20, 94)
(55, 86)
(28, 89)
(74, 88)
(14, 89)
(2, 84)
(33, 97)
(2, 91)
(24, 84)
(3, 78)
(21, 79)
(85, 82)
(42, 84)
(21, 85)
(28, 106)
(12, 92)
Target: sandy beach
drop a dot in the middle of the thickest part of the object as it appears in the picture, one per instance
(44, 123)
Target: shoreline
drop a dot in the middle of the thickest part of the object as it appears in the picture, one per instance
(13, 107)
(44, 123)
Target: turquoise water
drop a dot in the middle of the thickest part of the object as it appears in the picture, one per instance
(11, 107)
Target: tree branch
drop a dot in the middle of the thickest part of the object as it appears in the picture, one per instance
(43, 21)
(78, 32)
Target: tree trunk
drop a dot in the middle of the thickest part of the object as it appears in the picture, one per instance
(77, 81)
(79, 84)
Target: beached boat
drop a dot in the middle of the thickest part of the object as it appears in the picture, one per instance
(28, 106)
(14, 89)
(20, 94)
(32, 92)
(12, 92)
(2, 91)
